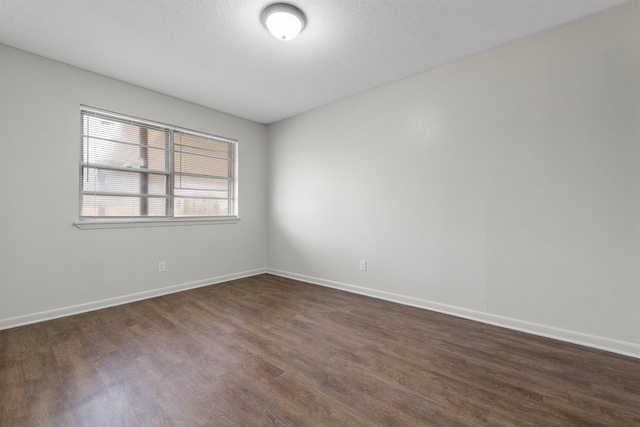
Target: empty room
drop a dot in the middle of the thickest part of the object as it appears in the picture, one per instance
(320, 213)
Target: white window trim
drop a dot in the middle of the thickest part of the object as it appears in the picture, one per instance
(102, 224)
(87, 223)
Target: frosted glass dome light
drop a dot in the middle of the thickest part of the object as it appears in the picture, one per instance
(283, 20)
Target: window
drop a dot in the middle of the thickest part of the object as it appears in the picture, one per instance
(136, 169)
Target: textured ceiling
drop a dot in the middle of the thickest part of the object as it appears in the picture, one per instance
(216, 52)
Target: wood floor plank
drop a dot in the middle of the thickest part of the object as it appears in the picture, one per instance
(266, 350)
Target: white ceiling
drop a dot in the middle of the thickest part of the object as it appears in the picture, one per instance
(216, 52)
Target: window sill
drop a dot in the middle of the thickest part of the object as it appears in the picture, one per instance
(98, 224)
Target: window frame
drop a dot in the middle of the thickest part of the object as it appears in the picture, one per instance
(169, 219)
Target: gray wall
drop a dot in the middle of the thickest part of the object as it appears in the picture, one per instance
(503, 187)
(50, 268)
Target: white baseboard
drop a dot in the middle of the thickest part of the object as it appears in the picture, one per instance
(13, 322)
(621, 347)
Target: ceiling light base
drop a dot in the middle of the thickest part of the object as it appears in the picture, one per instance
(283, 20)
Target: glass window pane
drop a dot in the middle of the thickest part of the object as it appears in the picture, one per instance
(118, 144)
(199, 194)
(200, 145)
(109, 181)
(193, 186)
(113, 206)
(195, 164)
(123, 131)
(200, 207)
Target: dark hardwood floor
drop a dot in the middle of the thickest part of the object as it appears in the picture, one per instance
(272, 351)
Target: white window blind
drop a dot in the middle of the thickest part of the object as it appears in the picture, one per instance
(203, 172)
(133, 168)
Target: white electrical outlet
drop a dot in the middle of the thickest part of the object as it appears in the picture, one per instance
(161, 267)
(363, 265)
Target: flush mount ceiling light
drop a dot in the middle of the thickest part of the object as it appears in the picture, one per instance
(283, 20)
